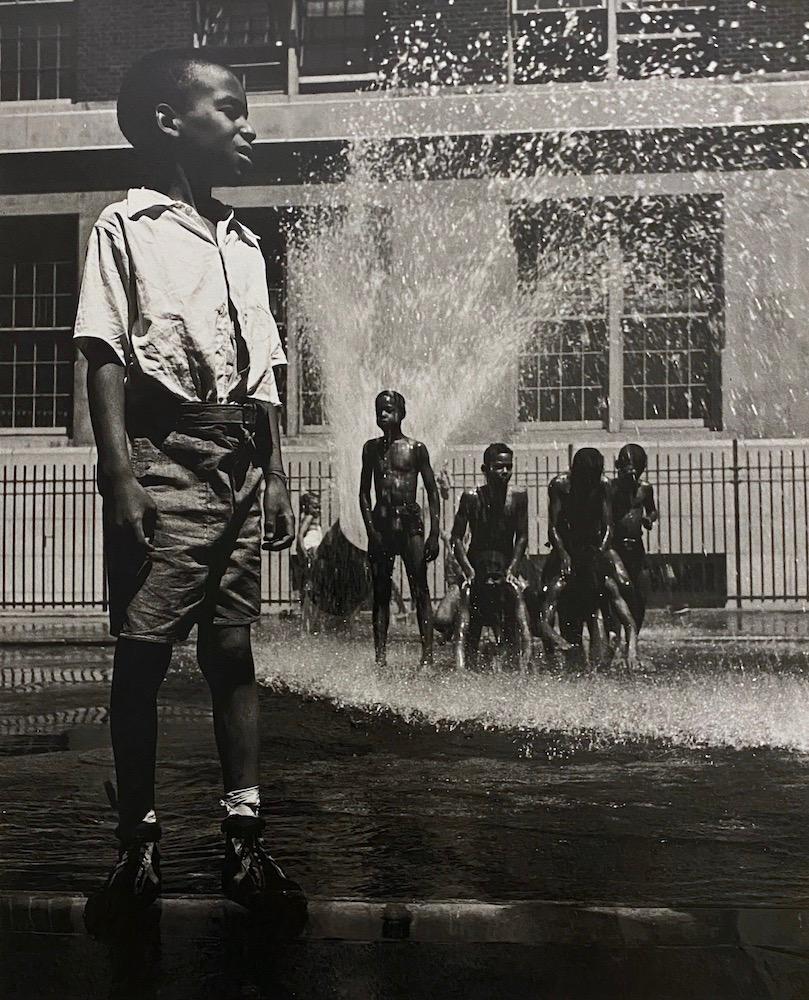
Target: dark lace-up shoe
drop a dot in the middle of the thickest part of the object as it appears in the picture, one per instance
(252, 878)
(132, 885)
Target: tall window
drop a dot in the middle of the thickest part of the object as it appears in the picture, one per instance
(335, 38)
(37, 307)
(563, 370)
(635, 323)
(576, 40)
(249, 36)
(37, 57)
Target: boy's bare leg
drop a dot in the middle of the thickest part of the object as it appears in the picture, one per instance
(521, 627)
(643, 586)
(381, 572)
(595, 650)
(462, 628)
(225, 658)
(416, 569)
(470, 626)
(624, 616)
(551, 639)
(138, 671)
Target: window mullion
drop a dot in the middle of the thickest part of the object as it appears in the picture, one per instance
(615, 310)
(612, 39)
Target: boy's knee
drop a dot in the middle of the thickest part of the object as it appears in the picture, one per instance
(226, 646)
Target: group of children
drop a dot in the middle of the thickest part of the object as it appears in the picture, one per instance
(595, 576)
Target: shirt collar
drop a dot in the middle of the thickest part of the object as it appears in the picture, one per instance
(140, 200)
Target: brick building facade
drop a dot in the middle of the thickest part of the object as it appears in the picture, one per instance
(607, 117)
(623, 88)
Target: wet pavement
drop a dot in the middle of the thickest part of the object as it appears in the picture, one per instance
(608, 836)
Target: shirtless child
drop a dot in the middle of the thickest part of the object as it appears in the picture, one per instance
(395, 525)
(633, 509)
(497, 517)
(579, 577)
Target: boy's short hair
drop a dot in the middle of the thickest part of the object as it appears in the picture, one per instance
(495, 449)
(636, 454)
(395, 397)
(586, 468)
(160, 77)
(307, 499)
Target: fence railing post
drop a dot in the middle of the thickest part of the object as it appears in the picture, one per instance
(737, 528)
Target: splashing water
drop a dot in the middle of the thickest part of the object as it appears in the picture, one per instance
(745, 701)
(435, 313)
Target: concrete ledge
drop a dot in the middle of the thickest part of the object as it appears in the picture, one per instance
(532, 923)
(636, 104)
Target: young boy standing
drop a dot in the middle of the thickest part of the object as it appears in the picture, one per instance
(633, 509)
(395, 526)
(497, 517)
(175, 324)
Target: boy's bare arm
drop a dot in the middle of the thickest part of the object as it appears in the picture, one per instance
(365, 493)
(606, 517)
(129, 503)
(303, 527)
(554, 515)
(279, 519)
(521, 535)
(458, 531)
(649, 506)
(434, 501)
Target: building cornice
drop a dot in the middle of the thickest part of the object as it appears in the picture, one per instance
(30, 127)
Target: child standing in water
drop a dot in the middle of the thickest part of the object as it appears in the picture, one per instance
(633, 509)
(579, 577)
(394, 463)
(174, 321)
(496, 515)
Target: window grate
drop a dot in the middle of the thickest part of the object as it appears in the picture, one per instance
(36, 51)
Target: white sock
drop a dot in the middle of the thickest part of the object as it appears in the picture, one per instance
(242, 801)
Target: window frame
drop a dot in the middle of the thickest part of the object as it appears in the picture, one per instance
(615, 420)
(66, 45)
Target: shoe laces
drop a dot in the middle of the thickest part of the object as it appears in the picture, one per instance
(140, 857)
(254, 858)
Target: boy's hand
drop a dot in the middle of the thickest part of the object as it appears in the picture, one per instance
(431, 549)
(133, 508)
(279, 520)
(375, 545)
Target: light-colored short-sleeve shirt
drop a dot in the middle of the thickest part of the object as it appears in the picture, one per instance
(173, 301)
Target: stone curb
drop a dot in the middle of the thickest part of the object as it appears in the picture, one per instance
(530, 923)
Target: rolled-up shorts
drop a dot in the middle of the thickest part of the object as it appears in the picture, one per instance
(204, 478)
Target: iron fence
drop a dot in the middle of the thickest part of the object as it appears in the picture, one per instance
(732, 529)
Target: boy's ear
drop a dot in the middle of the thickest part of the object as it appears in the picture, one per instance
(166, 119)
(484, 469)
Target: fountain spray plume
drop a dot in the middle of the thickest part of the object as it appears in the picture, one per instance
(406, 288)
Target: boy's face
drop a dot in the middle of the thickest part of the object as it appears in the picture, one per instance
(499, 469)
(626, 469)
(213, 130)
(387, 414)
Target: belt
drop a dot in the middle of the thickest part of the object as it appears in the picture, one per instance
(163, 417)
